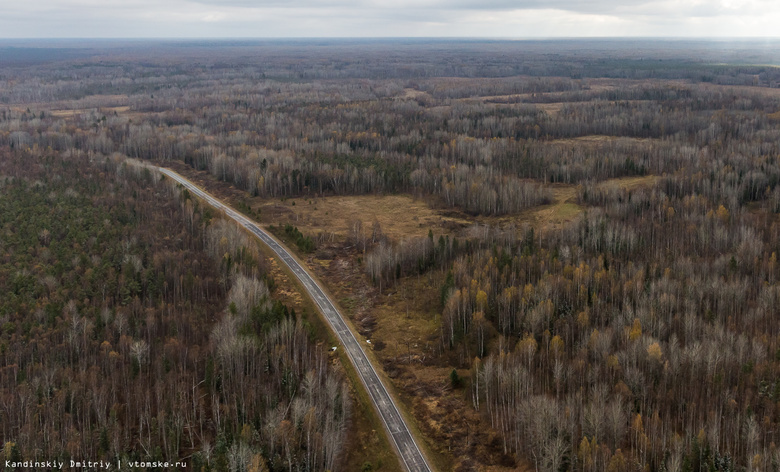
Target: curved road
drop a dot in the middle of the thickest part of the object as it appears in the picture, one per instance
(394, 423)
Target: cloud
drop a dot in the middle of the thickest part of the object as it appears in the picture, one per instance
(361, 18)
(611, 7)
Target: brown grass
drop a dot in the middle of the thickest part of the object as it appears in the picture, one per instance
(593, 139)
(407, 319)
(410, 93)
(551, 109)
(108, 103)
(565, 208)
(400, 216)
(104, 110)
(630, 182)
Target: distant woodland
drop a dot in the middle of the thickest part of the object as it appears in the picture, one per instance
(641, 333)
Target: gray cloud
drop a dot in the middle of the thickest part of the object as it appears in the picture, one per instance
(487, 18)
(655, 8)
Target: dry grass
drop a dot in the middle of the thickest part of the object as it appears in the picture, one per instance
(565, 208)
(774, 117)
(383, 319)
(410, 93)
(407, 324)
(594, 139)
(104, 110)
(551, 109)
(630, 182)
(407, 319)
(285, 290)
(65, 108)
(743, 89)
(400, 216)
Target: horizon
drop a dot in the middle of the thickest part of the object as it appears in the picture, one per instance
(761, 52)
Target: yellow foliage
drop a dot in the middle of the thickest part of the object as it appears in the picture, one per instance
(7, 448)
(556, 345)
(547, 306)
(246, 433)
(756, 462)
(637, 424)
(613, 362)
(583, 319)
(654, 352)
(585, 452)
(723, 214)
(594, 338)
(258, 464)
(481, 299)
(617, 463)
(636, 330)
(526, 346)
(622, 389)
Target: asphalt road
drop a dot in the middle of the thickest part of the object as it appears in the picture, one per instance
(396, 427)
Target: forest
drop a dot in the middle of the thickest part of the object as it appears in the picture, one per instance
(138, 324)
(578, 270)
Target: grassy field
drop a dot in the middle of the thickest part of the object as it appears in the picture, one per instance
(399, 215)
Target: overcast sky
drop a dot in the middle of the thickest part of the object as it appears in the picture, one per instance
(382, 18)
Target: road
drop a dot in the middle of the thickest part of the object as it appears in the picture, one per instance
(395, 425)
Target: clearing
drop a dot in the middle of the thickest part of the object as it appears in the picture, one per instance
(400, 216)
